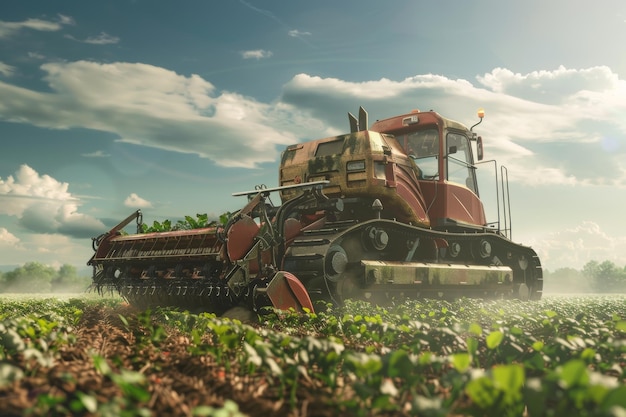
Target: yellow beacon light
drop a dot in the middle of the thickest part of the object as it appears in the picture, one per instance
(481, 112)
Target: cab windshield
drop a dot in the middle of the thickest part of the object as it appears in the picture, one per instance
(423, 147)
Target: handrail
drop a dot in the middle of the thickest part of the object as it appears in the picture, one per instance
(495, 169)
(504, 172)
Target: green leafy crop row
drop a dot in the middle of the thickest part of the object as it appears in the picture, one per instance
(200, 221)
(553, 357)
(438, 358)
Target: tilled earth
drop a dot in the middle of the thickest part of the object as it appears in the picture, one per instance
(176, 381)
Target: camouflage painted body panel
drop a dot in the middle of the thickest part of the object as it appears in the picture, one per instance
(425, 273)
(361, 165)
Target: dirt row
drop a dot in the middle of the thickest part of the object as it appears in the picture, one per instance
(175, 381)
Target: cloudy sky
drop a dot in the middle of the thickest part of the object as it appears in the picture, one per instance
(107, 107)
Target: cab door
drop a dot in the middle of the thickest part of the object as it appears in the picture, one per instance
(460, 190)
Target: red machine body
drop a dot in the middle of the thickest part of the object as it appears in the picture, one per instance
(388, 212)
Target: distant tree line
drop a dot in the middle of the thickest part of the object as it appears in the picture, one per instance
(34, 277)
(595, 277)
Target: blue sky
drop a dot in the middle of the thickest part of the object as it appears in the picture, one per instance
(107, 107)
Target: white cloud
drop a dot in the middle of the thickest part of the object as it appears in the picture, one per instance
(577, 119)
(51, 248)
(134, 201)
(264, 12)
(151, 106)
(66, 20)
(8, 29)
(6, 70)
(43, 204)
(8, 239)
(256, 54)
(578, 245)
(550, 86)
(102, 39)
(36, 55)
(297, 34)
(96, 154)
(579, 115)
(27, 183)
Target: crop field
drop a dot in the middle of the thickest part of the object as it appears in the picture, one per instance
(99, 357)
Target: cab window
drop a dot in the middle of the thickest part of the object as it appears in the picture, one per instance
(459, 163)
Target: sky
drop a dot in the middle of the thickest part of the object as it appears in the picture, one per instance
(170, 107)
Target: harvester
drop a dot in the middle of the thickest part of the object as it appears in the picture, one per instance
(382, 213)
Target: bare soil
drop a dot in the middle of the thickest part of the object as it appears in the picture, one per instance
(176, 380)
